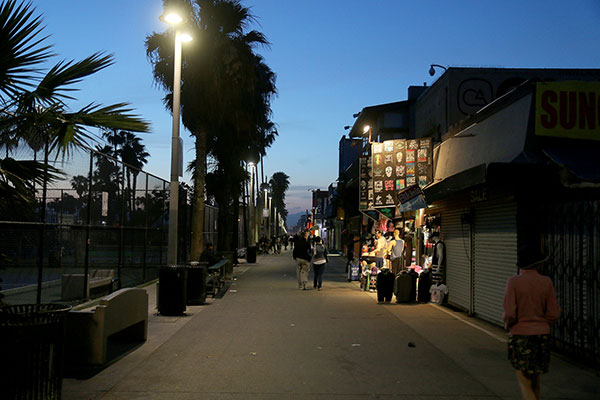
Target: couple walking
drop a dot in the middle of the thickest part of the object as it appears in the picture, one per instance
(304, 254)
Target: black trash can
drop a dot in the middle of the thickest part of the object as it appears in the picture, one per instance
(172, 290)
(196, 284)
(32, 350)
(251, 254)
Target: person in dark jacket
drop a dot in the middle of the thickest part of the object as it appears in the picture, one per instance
(209, 255)
(302, 256)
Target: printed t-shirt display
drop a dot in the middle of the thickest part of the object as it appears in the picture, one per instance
(438, 293)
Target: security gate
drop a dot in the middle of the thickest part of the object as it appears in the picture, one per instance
(572, 237)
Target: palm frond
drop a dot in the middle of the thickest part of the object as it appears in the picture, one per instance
(256, 38)
(55, 82)
(20, 47)
(115, 116)
(17, 178)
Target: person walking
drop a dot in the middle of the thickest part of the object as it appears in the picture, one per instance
(302, 256)
(530, 307)
(319, 261)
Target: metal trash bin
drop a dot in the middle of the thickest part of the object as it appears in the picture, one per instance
(196, 283)
(251, 254)
(172, 290)
(32, 350)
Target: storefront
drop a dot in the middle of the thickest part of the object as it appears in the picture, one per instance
(507, 178)
(391, 199)
(524, 169)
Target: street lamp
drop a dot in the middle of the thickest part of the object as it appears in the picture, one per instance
(269, 217)
(251, 207)
(432, 70)
(175, 20)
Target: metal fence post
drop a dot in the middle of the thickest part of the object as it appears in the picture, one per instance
(145, 246)
(121, 222)
(86, 262)
(42, 226)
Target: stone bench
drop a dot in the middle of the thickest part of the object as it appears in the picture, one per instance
(124, 312)
(72, 284)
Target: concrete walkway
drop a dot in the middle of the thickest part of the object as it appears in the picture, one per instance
(265, 339)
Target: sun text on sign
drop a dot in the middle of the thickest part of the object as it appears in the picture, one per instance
(568, 110)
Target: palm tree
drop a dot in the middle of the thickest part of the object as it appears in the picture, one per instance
(214, 81)
(279, 183)
(129, 149)
(33, 112)
(133, 153)
(246, 137)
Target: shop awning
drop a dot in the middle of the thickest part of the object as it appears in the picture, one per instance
(455, 183)
(463, 160)
(582, 161)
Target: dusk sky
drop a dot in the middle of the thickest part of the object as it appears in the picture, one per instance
(331, 57)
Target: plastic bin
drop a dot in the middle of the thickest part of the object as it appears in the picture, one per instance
(172, 290)
(196, 284)
(32, 350)
(251, 254)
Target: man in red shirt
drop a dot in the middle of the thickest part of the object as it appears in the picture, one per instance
(530, 307)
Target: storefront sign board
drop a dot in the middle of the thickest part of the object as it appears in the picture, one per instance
(568, 109)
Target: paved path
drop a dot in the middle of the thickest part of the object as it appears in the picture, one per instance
(268, 340)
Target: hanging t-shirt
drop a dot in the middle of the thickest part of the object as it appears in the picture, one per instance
(438, 293)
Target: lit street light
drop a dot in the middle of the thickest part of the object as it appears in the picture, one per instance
(367, 129)
(175, 19)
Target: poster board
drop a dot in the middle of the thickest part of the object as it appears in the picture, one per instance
(398, 164)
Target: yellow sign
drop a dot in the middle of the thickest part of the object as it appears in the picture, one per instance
(568, 110)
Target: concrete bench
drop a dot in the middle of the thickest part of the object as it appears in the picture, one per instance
(124, 312)
(72, 284)
(216, 277)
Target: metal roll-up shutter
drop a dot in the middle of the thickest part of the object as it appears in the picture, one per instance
(456, 236)
(494, 256)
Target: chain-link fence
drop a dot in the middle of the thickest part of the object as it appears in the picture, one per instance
(101, 226)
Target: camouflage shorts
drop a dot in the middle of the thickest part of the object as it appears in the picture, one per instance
(529, 353)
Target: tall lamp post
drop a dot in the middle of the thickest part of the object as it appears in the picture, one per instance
(174, 19)
(251, 208)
